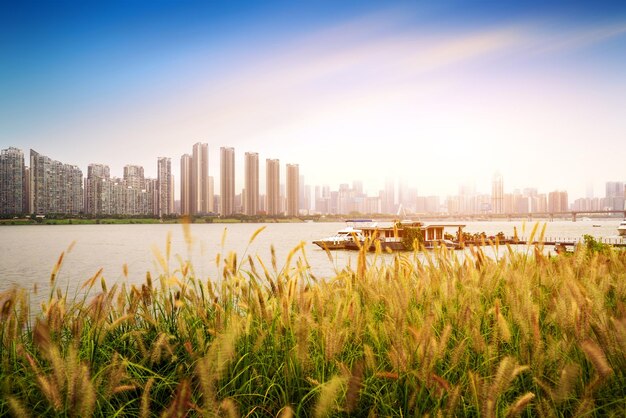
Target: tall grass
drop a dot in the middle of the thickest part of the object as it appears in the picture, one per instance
(441, 335)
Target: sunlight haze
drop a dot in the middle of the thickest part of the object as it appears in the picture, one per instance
(428, 93)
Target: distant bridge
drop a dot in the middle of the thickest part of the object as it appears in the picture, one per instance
(529, 216)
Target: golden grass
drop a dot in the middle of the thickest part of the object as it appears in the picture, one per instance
(440, 334)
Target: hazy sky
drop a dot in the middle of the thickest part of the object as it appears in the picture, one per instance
(438, 93)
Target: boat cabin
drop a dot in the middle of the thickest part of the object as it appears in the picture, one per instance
(432, 232)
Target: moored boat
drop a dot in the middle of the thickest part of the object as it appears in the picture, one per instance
(392, 236)
(343, 237)
(621, 229)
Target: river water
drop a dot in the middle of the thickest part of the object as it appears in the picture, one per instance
(28, 253)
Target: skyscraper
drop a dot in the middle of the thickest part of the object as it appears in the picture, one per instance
(293, 193)
(26, 193)
(54, 187)
(615, 194)
(251, 192)
(165, 187)
(301, 190)
(497, 193)
(185, 184)
(211, 194)
(12, 182)
(195, 196)
(272, 184)
(200, 179)
(558, 201)
(389, 201)
(227, 181)
(133, 177)
(95, 186)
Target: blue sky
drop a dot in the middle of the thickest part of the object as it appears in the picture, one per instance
(349, 90)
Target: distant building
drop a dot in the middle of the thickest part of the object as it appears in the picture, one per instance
(557, 201)
(293, 186)
(497, 193)
(13, 196)
(185, 184)
(389, 196)
(272, 184)
(251, 191)
(165, 184)
(200, 193)
(133, 177)
(227, 181)
(588, 203)
(54, 187)
(212, 197)
(26, 193)
(134, 195)
(195, 193)
(615, 195)
(432, 204)
(97, 200)
(307, 206)
(301, 191)
(539, 203)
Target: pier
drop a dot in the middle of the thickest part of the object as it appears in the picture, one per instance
(573, 215)
(560, 241)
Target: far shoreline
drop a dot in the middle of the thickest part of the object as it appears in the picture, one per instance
(153, 221)
(53, 220)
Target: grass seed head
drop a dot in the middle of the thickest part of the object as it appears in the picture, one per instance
(596, 356)
(520, 404)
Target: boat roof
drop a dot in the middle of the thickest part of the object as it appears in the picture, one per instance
(348, 229)
(392, 225)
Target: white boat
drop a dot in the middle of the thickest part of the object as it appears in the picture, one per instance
(621, 229)
(342, 239)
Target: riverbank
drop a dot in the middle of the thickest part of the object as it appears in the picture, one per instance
(130, 221)
(525, 334)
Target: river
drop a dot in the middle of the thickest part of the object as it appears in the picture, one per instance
(28, 253)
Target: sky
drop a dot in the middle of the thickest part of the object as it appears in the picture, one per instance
(436, 94)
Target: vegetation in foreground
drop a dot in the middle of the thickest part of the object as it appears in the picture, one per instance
(442, 335)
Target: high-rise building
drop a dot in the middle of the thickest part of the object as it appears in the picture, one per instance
(357, 185)
(195, 196)
(200, 179)
(307, 198)
(55, 187)
(133, 177)
(293, 186)
(12, 182)
(131, 196)
(185, 184)
(251, 192)
(615, 194)
(301, 193)
(212, 204)
(26, 193)
(96, 199)
(557, 201)
(497, 193)
(272, 184)
(389, 196)
(227, 181)
(165, 183)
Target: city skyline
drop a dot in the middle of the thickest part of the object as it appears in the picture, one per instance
(536, 91)
(49, 186)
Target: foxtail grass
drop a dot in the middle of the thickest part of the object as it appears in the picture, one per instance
(440, 334)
